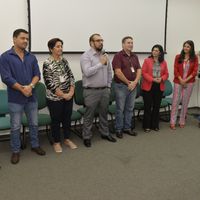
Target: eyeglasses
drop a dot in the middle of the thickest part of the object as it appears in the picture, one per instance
(100, 40)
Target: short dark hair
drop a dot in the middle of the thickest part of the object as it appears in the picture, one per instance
(161, 56)
(126, 38)
(52, 43)
(18, 31)
(92, 36)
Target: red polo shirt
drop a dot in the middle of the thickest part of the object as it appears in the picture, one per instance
(128, 65)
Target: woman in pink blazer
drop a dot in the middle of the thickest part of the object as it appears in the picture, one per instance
(185, 71)
(154, 74)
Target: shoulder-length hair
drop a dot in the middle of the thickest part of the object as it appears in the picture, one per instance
(161, 56)
(192, 51)
(52, 43)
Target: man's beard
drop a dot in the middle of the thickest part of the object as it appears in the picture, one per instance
(99, 48)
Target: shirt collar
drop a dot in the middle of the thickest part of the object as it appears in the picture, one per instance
(12, 52)
(51, 58)
(94, 52)
(125, 54)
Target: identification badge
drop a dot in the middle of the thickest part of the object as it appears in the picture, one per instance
(132, 69)
(62, 79)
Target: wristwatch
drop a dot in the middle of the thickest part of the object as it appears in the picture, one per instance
(32, 85)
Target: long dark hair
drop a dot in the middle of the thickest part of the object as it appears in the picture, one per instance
(161, 56)
(192, 51)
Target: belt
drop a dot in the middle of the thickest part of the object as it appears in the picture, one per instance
(95, 88)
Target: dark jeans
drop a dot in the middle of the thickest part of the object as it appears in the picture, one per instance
(60, 112)
(152, 100)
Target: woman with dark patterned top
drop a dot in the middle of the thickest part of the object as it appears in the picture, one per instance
(59, 82)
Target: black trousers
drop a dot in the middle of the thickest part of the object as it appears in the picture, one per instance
(60, 112)
(152, 100)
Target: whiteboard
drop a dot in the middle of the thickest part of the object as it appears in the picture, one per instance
(75, 20)
(13, 15)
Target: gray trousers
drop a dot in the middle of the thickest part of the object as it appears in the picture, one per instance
(95, 101)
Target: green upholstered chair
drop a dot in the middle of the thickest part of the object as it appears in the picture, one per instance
(4, 117)
(79, 99)
(166, 100)
(43, 118)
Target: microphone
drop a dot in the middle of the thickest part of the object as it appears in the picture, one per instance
(103, 52)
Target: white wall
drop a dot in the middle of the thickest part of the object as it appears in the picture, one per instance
(183, 24)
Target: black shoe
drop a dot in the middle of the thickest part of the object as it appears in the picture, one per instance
(156, 129)
(15, 158)
(130, 132)
(119, 134)
(38, 150)
(110, 138)
(87, 142)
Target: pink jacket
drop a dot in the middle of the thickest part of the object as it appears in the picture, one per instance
(147, 74)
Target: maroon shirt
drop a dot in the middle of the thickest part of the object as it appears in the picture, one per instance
(128, 65)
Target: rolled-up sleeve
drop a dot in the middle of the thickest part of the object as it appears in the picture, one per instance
(5, 72)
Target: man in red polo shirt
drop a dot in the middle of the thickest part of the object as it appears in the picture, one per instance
(127, 73)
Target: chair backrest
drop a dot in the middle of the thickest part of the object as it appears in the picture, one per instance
(40, 91)
(78, 93)
(3, 102)
(168, 88)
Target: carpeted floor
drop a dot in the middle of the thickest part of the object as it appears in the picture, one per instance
(151, 166)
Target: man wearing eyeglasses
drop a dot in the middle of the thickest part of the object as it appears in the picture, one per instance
(97, 78)
(127, 73)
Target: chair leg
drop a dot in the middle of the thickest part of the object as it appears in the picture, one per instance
(169, 111)
(113, 125)
(48, 132)
(138, 115)
(77, 132)
(133, 119)
(95, 123)
(166, 117)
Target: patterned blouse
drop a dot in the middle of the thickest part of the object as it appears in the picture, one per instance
(156, 70)
(57, 74)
